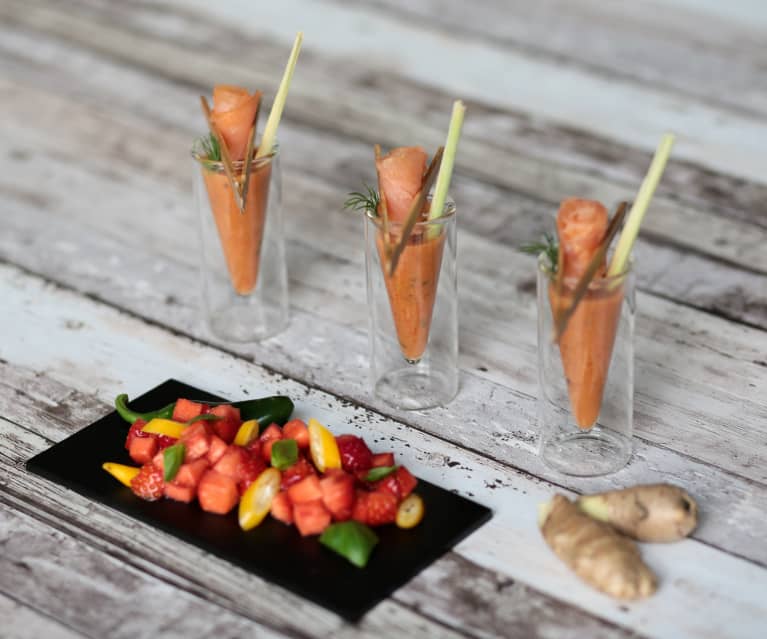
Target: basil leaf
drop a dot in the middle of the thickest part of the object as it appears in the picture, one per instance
(172, 458)
(206, 417)
(380, 472)
(284, 453)
(351, 540)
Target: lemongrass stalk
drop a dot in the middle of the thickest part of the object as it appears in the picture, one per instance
(448, 159)
(273, 121)
(639, 208)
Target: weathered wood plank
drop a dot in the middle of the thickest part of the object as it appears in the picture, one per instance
(22, 622)
(123, 353)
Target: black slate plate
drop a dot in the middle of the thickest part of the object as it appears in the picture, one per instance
(272, 550)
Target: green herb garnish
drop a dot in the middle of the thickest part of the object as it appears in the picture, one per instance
(207, 417)
(172, 458)
(210, 148)
(284, 453)
(548, 245)
(363, 201)
(351, 540)
(380, 472)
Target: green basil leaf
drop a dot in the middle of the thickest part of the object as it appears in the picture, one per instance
(374, 474)
(172, 458)
(351, 540)
(284, 453)
(206, 417)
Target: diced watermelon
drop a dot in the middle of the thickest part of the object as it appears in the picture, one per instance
(297, 429)
(230, 462)
(383, 459)
(271, 434)
(308, 489)
(249, 471)
(179, 493)
(390, 485)
(338, 494)
(406, 481)
(190, 473)
(297, 472)
(374, 509)
(135, 431)
(186, 410)
(282, 509)
(217, 448)
(142, 449)
(217, 493)
(226, 427)
(311, 517)
(196, 442)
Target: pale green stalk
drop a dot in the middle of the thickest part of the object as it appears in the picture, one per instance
(448, 159)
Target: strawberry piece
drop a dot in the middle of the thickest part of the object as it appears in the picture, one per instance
(249, 470)
(163, 441)
(295, 473)
(135, 431)
(196, 439)
(226, 427)
(148, 483)
(142, 449)
(355, 454)
(184, 410)
(230, 462)
(190, 473)
(282, 509)
(375, 509)
(389, 485)
(179, 493)
(217, 493)
(297, 429)
(254, 448)
(308, 489)
(338, 494)
(217, 449)
(406, 481)
(311, 517)
(383, 459)
(271, 434)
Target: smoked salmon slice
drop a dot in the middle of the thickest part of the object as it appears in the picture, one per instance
(233, 112)
(400, 175)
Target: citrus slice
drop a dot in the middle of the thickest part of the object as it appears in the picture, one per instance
(323, 447)
(410, 512)
(257, 499)
(168, 427)
(121, 472)
(247, 433)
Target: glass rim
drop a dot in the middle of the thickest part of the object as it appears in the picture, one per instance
(448, 213)
(218, 165)
(602, 282)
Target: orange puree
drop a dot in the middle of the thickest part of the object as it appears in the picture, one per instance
(412, 290)
(240, 233)
(586, 347)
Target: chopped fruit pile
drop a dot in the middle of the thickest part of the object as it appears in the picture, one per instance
(300, 474)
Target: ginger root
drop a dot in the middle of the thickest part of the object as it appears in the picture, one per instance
(652, 512)
(598, 554)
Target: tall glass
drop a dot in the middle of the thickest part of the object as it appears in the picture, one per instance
(586, 379)
(242, 260)
(413, 312)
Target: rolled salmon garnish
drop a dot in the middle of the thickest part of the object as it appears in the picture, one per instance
(400, 175)
(233, 112)
(581, 225)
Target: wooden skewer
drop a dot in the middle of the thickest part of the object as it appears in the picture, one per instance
(384, 208)
(560, 323)
(417, 207)
(226, 159)
(249, 155)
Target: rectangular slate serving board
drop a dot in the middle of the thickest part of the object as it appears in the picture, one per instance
(273, 550)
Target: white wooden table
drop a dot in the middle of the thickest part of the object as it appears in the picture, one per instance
(100, 289)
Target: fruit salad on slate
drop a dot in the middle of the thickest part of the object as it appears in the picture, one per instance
(300, 474)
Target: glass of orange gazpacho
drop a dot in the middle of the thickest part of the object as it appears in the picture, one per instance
(413, 310)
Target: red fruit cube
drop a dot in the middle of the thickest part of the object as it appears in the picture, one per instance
(217, 449)
(148, 483)
(311, 517)
(295, 473)
(190, 473)
(217, 493)
(179, 493)
(338, 494)
(383, 459)
(142, 449)
(389, 485)
(355, 454)
(226, 427)
(230, 462)
(226, 411)
(308, 489)
(297, 429)
(375, 509)
(185, 410)
(249, 471)
(282, 509)
(135, 431)
(406, 481)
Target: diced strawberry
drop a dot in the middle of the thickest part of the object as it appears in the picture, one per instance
(295, 473)
(142, 449)
(226, 427)
(355, 454)
(189, 474)
(383, 459)
(375, 509)
(179, 493)
(406, 481)
(311, 517)
(297, 429)
(248, 472)
(135, 431)
(282, 509)
(254, 448)
(338, 494)
(186, 410)
(163, 441)
(217, 493)
(308, 489)
(148, 483)
(389, 484)
(217, 448)
(271, 434)
(230, 462)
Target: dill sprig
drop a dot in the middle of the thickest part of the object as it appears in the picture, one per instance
(548, 245)
(210, 148)
(363, 201)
